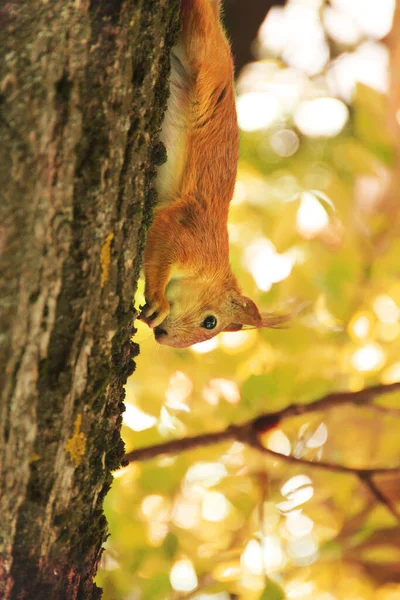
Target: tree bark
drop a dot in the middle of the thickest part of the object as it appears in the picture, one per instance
(82, 94)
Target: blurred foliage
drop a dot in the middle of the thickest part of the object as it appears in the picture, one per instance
(224, 522)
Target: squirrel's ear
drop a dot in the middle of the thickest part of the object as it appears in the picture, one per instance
(246, 312)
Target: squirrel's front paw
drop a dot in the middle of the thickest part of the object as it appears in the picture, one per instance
(154, 313)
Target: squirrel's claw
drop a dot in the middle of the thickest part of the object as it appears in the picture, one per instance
(154, 313)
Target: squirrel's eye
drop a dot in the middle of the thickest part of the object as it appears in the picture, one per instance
(209, 322)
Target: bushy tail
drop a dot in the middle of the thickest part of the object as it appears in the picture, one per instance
(203, 37)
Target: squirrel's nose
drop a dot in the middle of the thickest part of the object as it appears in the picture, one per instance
(159, 331)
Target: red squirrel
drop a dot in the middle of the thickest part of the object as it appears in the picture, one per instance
(190, 291)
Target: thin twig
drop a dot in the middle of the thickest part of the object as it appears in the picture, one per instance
(374, 489)
(294, 460)
(384, 410)
(334, 399)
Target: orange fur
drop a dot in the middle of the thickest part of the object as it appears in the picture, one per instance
(187, 270)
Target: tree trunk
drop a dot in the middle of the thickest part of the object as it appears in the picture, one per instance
(82, 94)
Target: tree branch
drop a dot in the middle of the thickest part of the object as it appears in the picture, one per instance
(189, 443)
(248, 432)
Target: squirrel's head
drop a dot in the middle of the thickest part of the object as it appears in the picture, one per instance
(199, 310)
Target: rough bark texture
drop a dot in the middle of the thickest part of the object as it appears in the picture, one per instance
(82, 93)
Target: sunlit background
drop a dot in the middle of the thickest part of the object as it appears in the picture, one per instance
(310, 235)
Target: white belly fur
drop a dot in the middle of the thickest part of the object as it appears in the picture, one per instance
(174, 129)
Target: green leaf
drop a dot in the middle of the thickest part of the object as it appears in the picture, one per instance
(156, 588)
(160, 480)
(170, 545)
(272, 591)
(270, 391)
(352, 157)
(370, 121)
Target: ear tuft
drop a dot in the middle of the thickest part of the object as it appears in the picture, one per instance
(275, 321)
(281, 321)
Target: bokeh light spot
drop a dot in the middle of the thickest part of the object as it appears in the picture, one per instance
(321, 117)
(386, 309)
(137, 419)
(279, 442)
(311, 216)
(368, 358)
(285, 142)
(215, 507)
(257, 111)
(183, 576)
